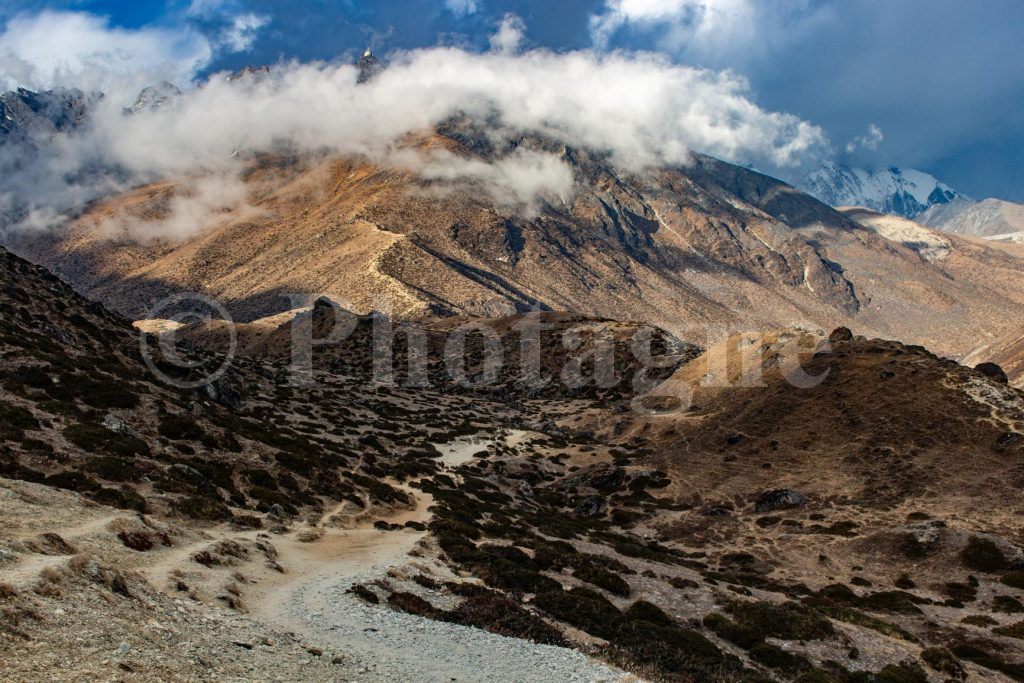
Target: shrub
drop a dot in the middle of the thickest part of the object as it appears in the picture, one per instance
(641, 610)
(907, 672)
(413, 604)
(1011, 631)
(675, 652)
(505, 617)
(95, 438)
(136, 540)
(72, 481)
(983, 555)
(788, 621)
(364, 593)
(723, 627)
(602, 578)
(1014, 579)
(204, 508)
(776, 658)
(123, 498)
(180, 428)
(1007, 604)
(583, 608)
(942, 660)
(114, 469)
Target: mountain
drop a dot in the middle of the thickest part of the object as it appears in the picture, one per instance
(744, 531)
(708, 244)
(905, 192)
(990, 218)
(24, 113)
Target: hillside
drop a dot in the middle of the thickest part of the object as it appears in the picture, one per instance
(662, 544)
(708, 244)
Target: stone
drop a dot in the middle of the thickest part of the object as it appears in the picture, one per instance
(779, 499)
(841, 334)
(993, 372)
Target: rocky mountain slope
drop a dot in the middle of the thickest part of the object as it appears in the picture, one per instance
(709, 244)
(862, 528)
(904, 192)
(991, 218)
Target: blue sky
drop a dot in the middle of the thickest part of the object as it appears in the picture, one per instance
(932, 84)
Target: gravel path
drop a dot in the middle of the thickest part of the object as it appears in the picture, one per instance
(385, 645)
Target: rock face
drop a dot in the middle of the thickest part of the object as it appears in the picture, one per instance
(153, 97)
(24, 113)
(368, 65)
(779, 499)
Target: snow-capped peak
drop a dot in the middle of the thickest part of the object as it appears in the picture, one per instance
(906, 192)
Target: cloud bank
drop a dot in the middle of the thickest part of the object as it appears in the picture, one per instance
(638, 108)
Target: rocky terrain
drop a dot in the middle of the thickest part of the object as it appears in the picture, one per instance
(789, 506)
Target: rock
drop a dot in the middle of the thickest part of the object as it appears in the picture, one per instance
(117, 426)
(315, 651)
(242, 644)
(591, 506)
(1008, 439)
(779, 499)
(841, 334)
(223, 393)
(276, 512)
(993, 372)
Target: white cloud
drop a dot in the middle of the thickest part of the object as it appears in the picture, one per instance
(509, 35)
(710, 31)
(239, 36)
(638, 108)
(869, 140)
(461, 8)
(83, 50)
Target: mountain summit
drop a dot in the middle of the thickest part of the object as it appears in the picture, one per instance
(906, 192)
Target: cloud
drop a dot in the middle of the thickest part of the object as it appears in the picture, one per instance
(710, 32)
(461, 8)
(869, 140)
(639, 109)
(518, 182)
(76, 49)
(240, 34)
(509, 34)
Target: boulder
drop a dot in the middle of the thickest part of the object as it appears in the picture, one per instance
(841, 334)
(591, 506)
(993, 372)
(779, 499)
